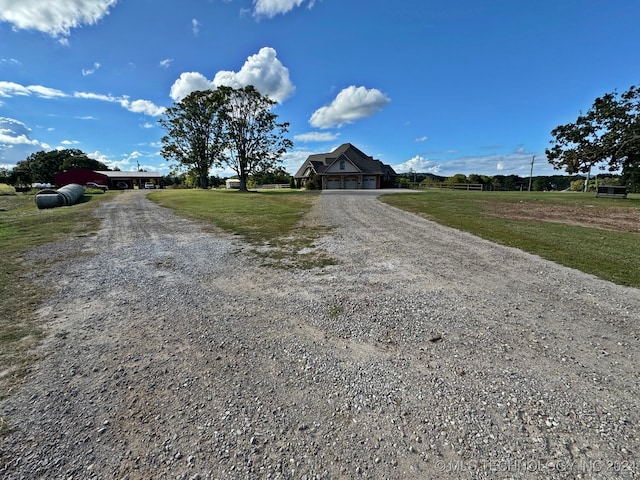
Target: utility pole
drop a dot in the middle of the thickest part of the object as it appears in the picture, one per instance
(531, 173)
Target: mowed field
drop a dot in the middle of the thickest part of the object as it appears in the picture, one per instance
(600, 236)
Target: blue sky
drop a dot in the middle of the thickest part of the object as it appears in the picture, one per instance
(456, 86)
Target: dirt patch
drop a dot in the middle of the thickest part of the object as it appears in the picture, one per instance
(593, 216)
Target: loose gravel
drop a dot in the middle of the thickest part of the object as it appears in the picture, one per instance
(423, 353)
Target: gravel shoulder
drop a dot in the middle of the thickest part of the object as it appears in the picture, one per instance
(423, 353)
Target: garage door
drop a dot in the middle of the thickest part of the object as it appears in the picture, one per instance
(369, 182)
(333, 183)
(351, 182)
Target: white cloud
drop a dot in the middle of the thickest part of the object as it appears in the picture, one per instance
(422, 139)
(262, 70)
(418, 164)
(143, 106)
(352, 103)
(96, 96)
(271, 8)
(45, 92)
(90, 71)
(136, 106)
(69, 142)
(54, 17)
(166, 63)
(315, 137)
(195, 26)
(16, 143)
(187, 83)
(517, 163)
(10, 89)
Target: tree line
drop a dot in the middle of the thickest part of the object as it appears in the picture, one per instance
(41, 167)
(498, 183)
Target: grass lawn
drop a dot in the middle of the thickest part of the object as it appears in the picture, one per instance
(264, 219)
(596, 235)
(22, 227)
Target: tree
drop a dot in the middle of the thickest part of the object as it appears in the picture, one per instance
(82, 161)
(254, 140)
(194, 136)
(42, 166)
(607, 134)
(457, 178)
(271, 175)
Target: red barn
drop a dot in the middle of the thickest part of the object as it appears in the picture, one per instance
(115, 180)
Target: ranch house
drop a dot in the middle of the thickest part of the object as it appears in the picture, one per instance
(345, 168)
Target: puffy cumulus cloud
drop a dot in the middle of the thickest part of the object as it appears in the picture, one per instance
(54, 17)
(418, 164)
(15, 141)
(351, 104)
(271, 8)
(315, 137)
(262, 70)
(187, 83)
(143, 106)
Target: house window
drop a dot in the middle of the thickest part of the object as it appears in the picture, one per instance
(341, 164)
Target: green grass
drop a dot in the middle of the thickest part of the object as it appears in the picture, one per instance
(7, 189)
(22, 227)
(267, 220)
(611, 255)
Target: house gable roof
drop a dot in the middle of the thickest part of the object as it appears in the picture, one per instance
(342, 164)
(321, 163)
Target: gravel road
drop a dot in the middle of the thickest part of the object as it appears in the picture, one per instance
(424, 353)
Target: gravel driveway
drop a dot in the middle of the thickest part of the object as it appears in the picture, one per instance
(424, 353)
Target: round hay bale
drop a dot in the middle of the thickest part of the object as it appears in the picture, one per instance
(49, 199)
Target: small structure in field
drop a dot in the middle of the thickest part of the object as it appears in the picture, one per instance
(232, 183)
(611, 191)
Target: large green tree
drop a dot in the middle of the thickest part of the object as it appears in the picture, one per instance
(195, 138)
(42, 166)
(254, 139)
(607, 135)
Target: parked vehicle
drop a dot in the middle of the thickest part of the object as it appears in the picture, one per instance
(104, 188)
(149, 185)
